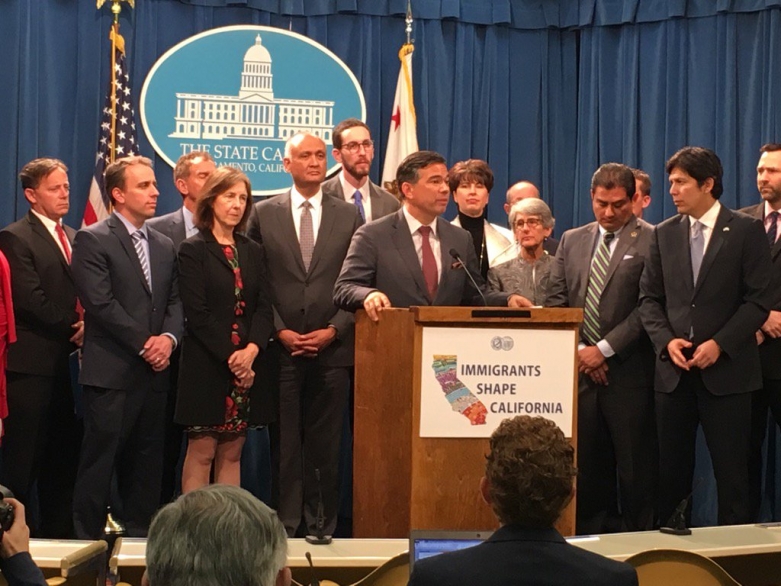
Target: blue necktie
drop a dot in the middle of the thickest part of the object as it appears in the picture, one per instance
(359, 204)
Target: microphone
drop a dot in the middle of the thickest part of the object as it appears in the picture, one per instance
(676, 524)
(457, 257)
(319, 538)
(314, 581)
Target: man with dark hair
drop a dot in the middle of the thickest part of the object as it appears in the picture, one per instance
(769, 335)
(217, 534)
(598, 268)
(42, 434)
(190, 173)
(404, 259)
(126, 276)
(354, 151)
(643, 187)
(703, 295)
(471, 183)
(305, 237)
(529, 480)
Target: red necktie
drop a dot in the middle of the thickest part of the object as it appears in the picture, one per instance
(67, 248)
(430, 273)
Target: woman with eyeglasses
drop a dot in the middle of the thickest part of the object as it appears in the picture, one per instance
(528, 273)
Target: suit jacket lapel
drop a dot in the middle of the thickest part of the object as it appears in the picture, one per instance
(717, 238)
(445, 244)
(179, 225)
(39, 229)
(327, 219)
(119, 230)
(288, 228)
(627, 238)
(215, 248)
(588, 243)
(402, 239)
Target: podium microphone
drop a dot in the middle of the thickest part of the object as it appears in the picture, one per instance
(457, 257)
(319, 538)
(676, 524)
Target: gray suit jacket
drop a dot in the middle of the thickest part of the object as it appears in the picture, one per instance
(382, 257)
(121, 313)
(303, 300)
(619, 316)
(171, 225)
(729, 302)
(383, 202)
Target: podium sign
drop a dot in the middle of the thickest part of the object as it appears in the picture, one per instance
(473, 378)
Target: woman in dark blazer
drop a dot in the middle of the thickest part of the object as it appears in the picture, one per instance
(223, 286)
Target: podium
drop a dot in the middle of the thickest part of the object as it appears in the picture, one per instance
(431, 384)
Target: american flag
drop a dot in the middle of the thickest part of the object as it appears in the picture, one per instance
(99, 203)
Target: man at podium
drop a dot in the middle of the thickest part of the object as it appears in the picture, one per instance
(414, 257)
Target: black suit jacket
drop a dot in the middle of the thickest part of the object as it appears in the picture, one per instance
(382, 257)
(20, 570)
(206, 284)
(303, 300)
(44, 296)
(728, 304)
(619, 316)
(514, 555)
(121, 313)
(382, 202)
(770, 349)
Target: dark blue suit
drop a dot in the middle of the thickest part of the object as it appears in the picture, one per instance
(514, 555)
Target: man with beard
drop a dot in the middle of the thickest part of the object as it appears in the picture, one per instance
(354, 150)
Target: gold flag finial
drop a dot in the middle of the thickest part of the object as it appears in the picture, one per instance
(116, 7)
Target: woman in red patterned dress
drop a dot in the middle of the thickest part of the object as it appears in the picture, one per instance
(223, 285)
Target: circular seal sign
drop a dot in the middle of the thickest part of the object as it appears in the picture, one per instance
(240, 92)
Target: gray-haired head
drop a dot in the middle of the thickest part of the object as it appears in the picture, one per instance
(532, 207)
(218, 535)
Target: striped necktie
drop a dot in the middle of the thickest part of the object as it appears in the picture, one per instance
(596, 283)
(138, 243)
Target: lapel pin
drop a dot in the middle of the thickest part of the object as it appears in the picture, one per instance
(633, 234)
(726, 229)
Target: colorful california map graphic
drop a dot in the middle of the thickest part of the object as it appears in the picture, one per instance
(460, 398)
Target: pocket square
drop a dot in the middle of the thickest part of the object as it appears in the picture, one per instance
(456, 265)
(628, 256)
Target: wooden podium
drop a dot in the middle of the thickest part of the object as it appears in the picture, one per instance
(403, 481)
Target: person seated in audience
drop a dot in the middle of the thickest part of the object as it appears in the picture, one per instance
(470, 183)
(218, 534)
(16, 565)
(527, 274)
(529, 480)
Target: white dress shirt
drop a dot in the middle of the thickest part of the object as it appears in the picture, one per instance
(708, 221)
(50, 226)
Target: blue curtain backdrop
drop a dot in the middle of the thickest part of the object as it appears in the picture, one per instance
(544, 90)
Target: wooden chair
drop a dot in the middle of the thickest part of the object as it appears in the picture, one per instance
(674, 567)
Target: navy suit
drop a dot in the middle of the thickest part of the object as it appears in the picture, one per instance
(518, 556)
(124, 399)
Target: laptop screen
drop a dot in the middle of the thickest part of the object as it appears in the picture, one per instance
(424, 544)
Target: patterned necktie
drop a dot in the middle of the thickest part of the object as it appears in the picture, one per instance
(772, 231)
(306, 237)
(429, 264)
(138, 243)
(359, 204)
(596, 283)
(697, 248)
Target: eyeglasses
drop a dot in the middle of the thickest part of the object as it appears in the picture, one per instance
(354, 147)
(531, 223)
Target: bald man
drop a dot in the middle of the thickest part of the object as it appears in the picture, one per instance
(517, 192)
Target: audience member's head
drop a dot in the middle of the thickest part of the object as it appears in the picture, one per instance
(529, 473)
(218, 535)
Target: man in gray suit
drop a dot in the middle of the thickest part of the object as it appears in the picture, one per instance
(415, 257)
(305, 237)
(191, 172)
(598, 268)
(354, 150)
(126, 277)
